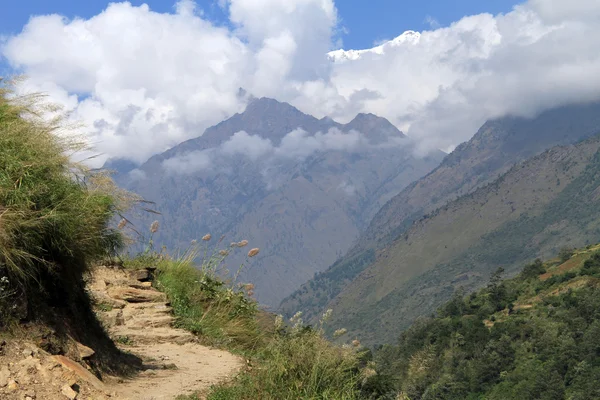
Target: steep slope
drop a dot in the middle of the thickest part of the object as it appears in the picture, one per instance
(495, 148)
(299, 188)
(534, 209)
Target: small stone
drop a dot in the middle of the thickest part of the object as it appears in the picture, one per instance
(133, 295)
(12, 385)
(119, 319)
(28, 352)
(4, 376)
(69, 392)
(140, 275)
(84, 351)
(80, 371)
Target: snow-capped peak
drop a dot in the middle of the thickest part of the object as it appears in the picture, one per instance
(407, 38)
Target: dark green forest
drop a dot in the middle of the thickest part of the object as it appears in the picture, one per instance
(536, 336)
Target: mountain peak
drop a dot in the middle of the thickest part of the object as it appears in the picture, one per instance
(408, 38)
(368, 123)
(267, 105)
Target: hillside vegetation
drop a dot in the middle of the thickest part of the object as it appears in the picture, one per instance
(532, 211)
(531, 337)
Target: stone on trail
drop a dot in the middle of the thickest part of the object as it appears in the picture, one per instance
(133, 295)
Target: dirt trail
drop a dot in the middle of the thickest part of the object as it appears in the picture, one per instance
(139, 319)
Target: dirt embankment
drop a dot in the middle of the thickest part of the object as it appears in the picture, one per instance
(139, 319)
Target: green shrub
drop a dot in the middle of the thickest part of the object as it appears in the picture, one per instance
(591, 266)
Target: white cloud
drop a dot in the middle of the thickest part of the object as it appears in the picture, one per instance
(432, 22)
(144, 81)
(296, 145)
(348, 188)
(191, 162)
(251, 146)
(299, 145)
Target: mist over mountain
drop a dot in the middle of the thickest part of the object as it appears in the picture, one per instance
(441, 227)
(299, 188)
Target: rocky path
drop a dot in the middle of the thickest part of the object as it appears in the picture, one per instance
(139, 319)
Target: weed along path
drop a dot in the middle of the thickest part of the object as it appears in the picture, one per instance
(139, 320)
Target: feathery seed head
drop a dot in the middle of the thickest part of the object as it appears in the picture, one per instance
(278, 322)
(207, 237)
(243, 243)
(122, 223)
(253, 252)
(356, 343)
(223, 253)
(154, 227)
(326, 315)
(296, 317)
(339, 332)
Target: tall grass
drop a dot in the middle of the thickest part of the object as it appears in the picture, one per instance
(54, 213)
(218, 311)
(300, 364)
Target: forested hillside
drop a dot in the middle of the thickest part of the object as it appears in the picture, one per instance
(531, 337)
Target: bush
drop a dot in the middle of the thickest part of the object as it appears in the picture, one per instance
(591, 266)
(533, 270)
(565, 254)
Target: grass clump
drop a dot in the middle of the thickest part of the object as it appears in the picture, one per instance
(54, 223)
(54, 213)
(298, 363)
(221, 313)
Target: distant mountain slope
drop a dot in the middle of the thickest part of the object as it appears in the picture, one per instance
(545, 203)
(299, 188)
(532, 211)
(496, 147)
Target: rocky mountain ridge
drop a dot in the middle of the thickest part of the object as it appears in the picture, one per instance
(298, 187)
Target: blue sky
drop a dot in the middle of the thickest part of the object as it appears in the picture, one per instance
(367, 22)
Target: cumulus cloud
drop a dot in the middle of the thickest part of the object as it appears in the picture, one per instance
(144, 81)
